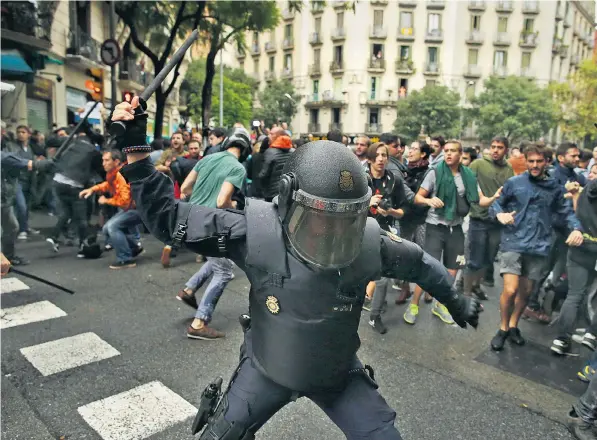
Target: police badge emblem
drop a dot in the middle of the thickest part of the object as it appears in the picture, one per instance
(346, 183)
(272, 304)
(393, 237)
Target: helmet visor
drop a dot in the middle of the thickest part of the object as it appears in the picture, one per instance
(328, 238)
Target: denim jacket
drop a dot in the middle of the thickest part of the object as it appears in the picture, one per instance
(534, 202)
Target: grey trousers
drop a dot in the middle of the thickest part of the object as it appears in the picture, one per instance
(379, 295)
(579, 281)
(10, 226)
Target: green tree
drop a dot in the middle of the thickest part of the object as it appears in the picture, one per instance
(514, 107)
(154, 27)
(577, 102)
(228, 22)
(436, 108)
(238, 93)
(275, 106)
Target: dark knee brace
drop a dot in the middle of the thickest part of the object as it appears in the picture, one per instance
(218, 428)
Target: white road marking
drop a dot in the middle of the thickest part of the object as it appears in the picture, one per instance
(12, 284)
(64, 354)
(138, 413)
(21, 315)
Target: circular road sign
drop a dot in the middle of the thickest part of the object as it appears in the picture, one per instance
(110, 52)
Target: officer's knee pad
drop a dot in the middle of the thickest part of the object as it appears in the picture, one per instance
(218, 428)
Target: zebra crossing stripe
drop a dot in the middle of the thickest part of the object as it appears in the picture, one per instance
(12, 284)
(21, 315)
(138, 413)
(66, 353)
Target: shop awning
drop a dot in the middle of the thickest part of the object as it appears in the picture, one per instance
(14, 67)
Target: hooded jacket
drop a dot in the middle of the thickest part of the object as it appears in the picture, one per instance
(274, 159)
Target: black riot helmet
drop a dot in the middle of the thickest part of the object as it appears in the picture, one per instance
(241, 139)
(323, 203)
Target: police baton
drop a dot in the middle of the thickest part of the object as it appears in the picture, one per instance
(41, 280)
(118, 128)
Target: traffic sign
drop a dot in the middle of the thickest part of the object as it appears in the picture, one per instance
(110, 52)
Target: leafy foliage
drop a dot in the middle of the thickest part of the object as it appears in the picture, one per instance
(238, 93)
(437, 108)
(275, 106)
(514, 107)
(577, 102)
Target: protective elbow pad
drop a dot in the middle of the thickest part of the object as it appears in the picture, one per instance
(399, 256)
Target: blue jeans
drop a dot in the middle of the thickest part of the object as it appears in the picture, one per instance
(118, 232)
(221, 268)
(21, 209)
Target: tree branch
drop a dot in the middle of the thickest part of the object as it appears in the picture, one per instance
(128, 20)
(173, 32)
(171, 86)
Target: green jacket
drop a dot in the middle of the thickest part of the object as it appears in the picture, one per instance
(490, 176)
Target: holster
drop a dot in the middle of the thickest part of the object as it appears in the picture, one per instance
(209, 400)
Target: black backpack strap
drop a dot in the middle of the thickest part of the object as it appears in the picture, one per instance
(180, 231)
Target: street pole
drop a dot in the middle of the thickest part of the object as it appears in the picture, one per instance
(221, 88)
(113, 36)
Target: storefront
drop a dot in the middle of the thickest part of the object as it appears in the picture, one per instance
(40, 96)
(75, 100)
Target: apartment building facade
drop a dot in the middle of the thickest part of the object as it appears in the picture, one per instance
(60, 46)
(351, 67)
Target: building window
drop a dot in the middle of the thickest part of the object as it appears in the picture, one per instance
(526, 60)
(377, 51)
(470, 90)
(475, 22)
(317, 57)
(500, 59)
(375, 86)
(430, 83)
(432, 55)
(338, 55)
(256, 37)
(405, 53)
(406, 20)
(502, 24)
(318, 25)
(315, 90)
(256, 66)
(402, 88)
(433, 23)
(340, 20)
(272, 63)
(288, 62)
(314, 117)
(337, 88)
(528, 25)
(373, 118)
(378, 18)
(473, 57)
(335, 115)
(288, 32)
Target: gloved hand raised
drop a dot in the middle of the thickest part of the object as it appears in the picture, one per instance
(464, 309)
(135, 137)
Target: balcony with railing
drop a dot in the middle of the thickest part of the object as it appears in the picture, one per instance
(407, 3)
(475, 37)
(270, 46)
(336, 126)
(377, 65)
(405, 34)
(317, 8)
(270, 75)
(24, 24)
(378, 32)
(331, 99)
(476, 5)
(373, 128)
(338, 34)
(379, 2)
(559, 14)
(431, 69)
(405, 67)
(527, 72)
(472, 71)
(288, 43)
(337, 67)
(130, 75)
(504, 6)
(240, 53)
(83, 49)
(563, 51)
(556, 45)
(434, 36)
(501, 39)
(255, 49)
(315, 39)
(436, 4)
(314, 127)
(338, 4)
(286, 73)
(567, 21)
(528, 39)
(315, 70)
(500, 71)
(530, 7)
(287, 14)
(575, 60)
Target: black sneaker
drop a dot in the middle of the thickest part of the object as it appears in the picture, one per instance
(123, 264)
(18, 261)
(54, 244)
(137, 250)
(579, 428)
(560, 346)
(515, 336)
(478, 292)
(377, 324)
(498, 341)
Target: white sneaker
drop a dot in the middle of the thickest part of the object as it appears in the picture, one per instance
(22, 236)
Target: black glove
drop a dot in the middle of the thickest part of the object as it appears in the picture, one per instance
(464, 309)
(136, 130)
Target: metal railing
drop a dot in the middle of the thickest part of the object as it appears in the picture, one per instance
(83, 45)
(404, 66)
(377, 63)
(504, 6)
(129, 70)
(270, 75)
(500, 70)
(288, 43)
(434, 35)
(339, 34)
(528, 39)
(474, 37)
(315, 38)
(432, 68)
(22, 17)
(530, 7)
(527, 72)
(502, 39)
(336, 66)
(335, 126)
(373, 128)
(270, 46)
(436, 4)
(378, 32)
(472, 70)
(476, 5)
(255, 49)
(314, 127)
(406, 33)
(315, 69)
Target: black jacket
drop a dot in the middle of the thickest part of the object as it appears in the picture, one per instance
(80, 162)
(415, 214)
(274, 160)
(253, 167)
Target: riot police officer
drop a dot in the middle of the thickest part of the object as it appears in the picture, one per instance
(308, 256)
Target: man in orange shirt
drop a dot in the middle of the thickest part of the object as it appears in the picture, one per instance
(121, 229)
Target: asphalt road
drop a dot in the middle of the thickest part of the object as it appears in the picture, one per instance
(113, 361)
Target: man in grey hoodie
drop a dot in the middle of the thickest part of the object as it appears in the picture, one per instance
(437, 145)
